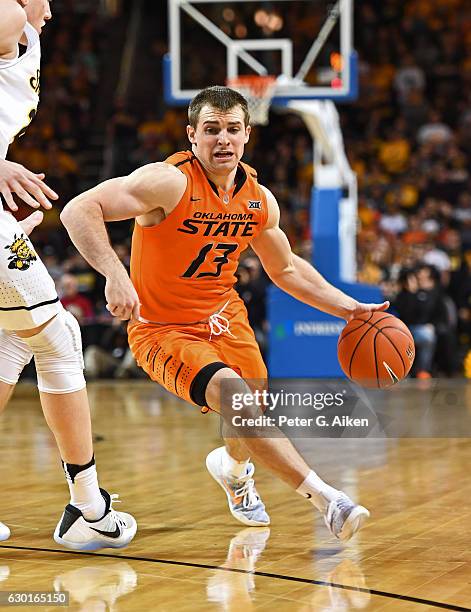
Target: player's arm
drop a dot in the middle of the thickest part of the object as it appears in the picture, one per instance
(15, 178)
(12, 25)
(296, 276)
(153, 186)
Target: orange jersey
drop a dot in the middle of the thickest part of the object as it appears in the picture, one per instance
(184, 268)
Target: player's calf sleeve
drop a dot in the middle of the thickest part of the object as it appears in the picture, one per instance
(57, 351)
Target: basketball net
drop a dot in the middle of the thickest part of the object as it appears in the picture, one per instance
(258, 91)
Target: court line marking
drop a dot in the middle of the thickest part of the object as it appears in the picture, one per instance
(410, 598)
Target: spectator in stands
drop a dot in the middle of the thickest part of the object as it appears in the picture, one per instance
(462, 211)
(111, 358)
(436, 257)
(461, 291)
(251, 286)
(393, 221)
(79, 305)
(434, 131)
(394, 150)
(411, 311)
(443, 316)
(420, 304)
(409, 77)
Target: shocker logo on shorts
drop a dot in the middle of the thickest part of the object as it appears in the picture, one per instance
(22, 254)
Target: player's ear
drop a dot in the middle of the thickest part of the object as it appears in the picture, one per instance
(248, 129)
(191, 133)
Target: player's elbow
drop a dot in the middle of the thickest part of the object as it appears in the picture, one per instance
(82, 211)
(71, 213)
(67, 214)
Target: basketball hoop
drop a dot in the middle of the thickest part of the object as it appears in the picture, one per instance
(258, 91)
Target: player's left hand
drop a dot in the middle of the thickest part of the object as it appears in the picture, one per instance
(31, 222)
(361, 308)
(28, 186)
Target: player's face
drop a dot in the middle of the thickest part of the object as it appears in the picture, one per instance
(38, 12)
(219, 138)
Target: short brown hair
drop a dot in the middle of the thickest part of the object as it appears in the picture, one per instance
(222, 98)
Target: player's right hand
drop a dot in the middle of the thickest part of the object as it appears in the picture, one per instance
(121, 297)
(29, 187)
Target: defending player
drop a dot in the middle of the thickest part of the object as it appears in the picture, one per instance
(194, 215)
(32, 320)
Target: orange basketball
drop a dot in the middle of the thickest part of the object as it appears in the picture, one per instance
(376, 349)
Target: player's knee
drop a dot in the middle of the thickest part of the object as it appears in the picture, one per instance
(211, 386)
(240, 410)
(57, 351)
(15, 354)
(229, 394)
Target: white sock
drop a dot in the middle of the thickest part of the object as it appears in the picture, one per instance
(85, 492)
(233, 468)
(317, 491)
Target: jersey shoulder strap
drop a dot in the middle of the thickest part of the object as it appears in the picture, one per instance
(180, 158)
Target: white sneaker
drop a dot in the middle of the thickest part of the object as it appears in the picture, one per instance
(244, 502)
(4, 532)
(344, 518)
(114, 530)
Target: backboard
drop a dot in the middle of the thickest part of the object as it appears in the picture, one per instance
(306, 44)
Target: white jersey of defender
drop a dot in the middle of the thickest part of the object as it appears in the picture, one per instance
(19, 90)
(28, 296)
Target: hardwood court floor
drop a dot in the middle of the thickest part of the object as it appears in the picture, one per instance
(189, 554)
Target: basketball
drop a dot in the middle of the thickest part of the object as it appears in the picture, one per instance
(376, 350)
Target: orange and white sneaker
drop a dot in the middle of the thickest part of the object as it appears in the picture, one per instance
(244, 502)
(4, 532)
(344, 518)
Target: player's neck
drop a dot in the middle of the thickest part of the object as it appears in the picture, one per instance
(225, 183)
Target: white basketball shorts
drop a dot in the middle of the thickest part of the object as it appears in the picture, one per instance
(28, 295)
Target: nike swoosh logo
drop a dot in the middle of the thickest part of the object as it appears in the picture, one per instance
(308, 495)
(391, 373)
(192, 199)
(109, 534)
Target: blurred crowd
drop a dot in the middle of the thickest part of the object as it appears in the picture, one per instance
(408, 138)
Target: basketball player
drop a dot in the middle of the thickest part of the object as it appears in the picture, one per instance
(32, 320)
(195, 214)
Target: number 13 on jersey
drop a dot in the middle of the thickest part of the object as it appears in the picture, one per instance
(211, 254)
